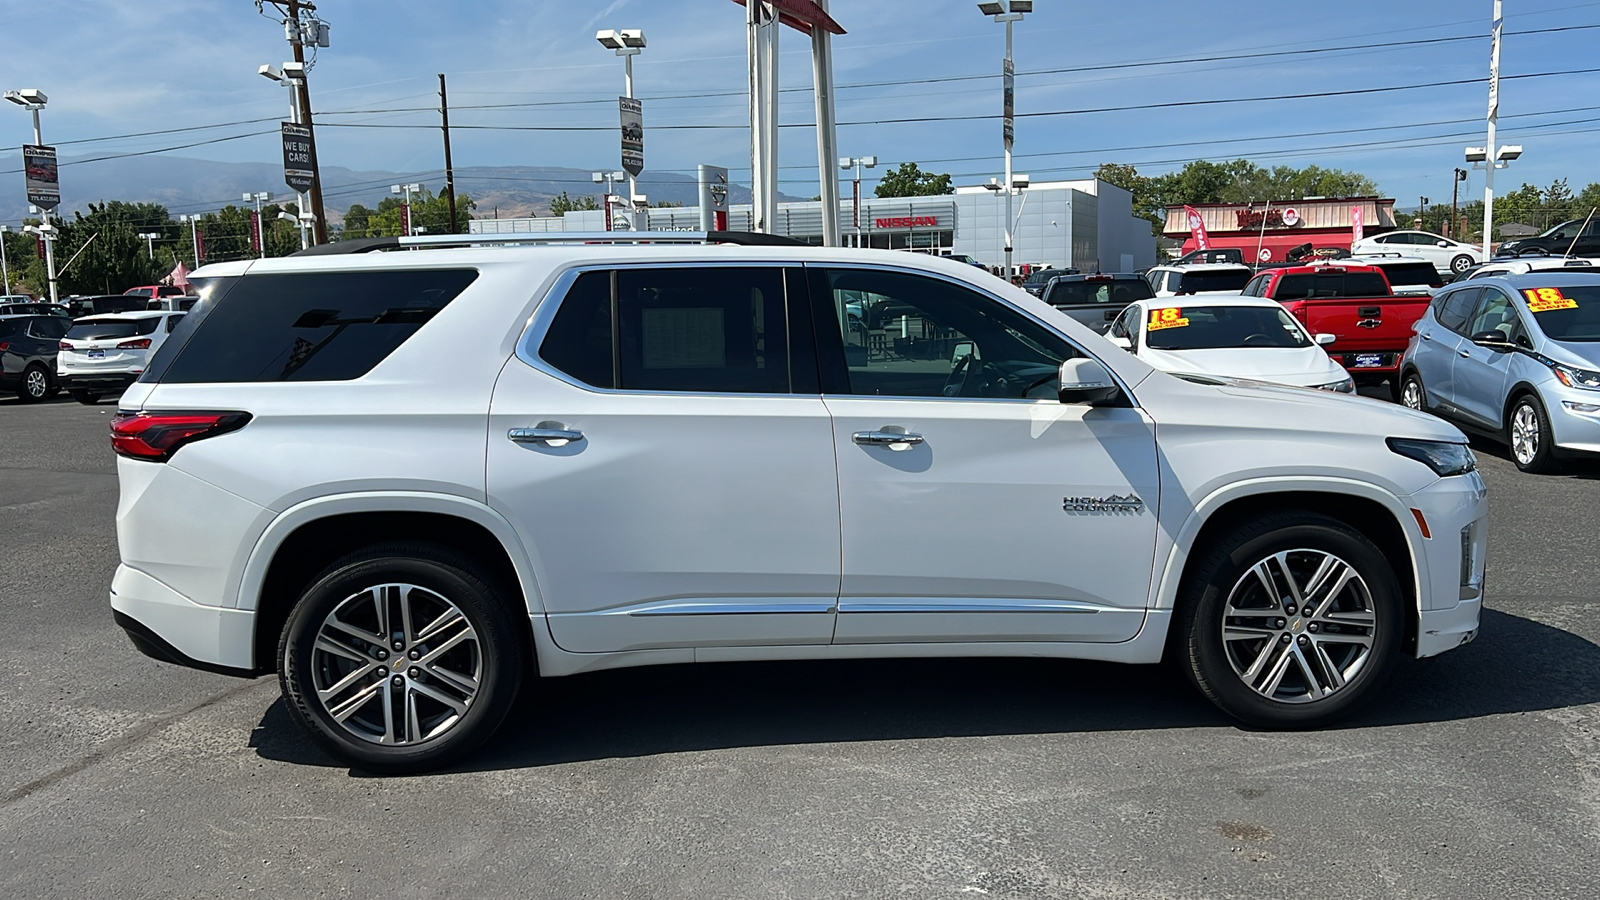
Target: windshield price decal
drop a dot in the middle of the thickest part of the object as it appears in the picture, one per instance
(1167, 318)
(1548, 299)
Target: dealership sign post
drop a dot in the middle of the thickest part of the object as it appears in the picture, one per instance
(713, 198)
(632, 134)
(298, 153)
(43, 180)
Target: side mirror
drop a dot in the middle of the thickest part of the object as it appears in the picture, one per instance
(1324, 339)
(1493, 340)
(1122, 342)
(962, 350)
(1443, 243)
(1087, 381)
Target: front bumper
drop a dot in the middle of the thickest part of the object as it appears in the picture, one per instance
(1574, 418)
(1446, 629)
(1450, 562)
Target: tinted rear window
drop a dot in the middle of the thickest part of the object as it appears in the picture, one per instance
(114, 328)
(1412, 275)
(1195, 282)
(313, 327)
(1120, 292)
(1331, 284)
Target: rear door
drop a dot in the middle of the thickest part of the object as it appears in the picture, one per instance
(1438, 341)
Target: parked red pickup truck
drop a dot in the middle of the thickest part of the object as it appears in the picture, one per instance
(1355, 304)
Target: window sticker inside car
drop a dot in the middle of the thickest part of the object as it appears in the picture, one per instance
(1548, 299)
(1167, 318)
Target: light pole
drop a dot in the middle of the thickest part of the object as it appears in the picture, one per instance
(5, 271)
(627, 43)
(33, 100)
(194, 235)
(1455, 191)
(1008, 13)
(149, 238)
(1480, 159)
(257, 230)
(857, 162)
(1422, 213)
(610, 180)
(293, 77)
(405, 205)
(300, 222)
(1494, 118)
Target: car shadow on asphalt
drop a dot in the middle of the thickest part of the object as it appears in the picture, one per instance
(1516, 665)
(1584, 468)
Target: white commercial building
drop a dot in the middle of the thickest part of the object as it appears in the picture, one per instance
(1088, 225)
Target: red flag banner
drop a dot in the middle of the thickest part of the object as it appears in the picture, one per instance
(1357, 228)
(255, 231)
(1197, 228)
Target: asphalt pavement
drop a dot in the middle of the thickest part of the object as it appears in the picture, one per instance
(1476, 775)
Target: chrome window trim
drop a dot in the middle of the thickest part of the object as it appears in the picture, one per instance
(539, 323)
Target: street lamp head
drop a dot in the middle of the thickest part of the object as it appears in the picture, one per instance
(1477, 154)
(415, 188)
(846, 162)
(870, 162)
(1022, 6)
(618, 176)
(1509, 152)
(993, 185)
(597, 177)
(633, 37)
(27, 97)
(272, 72)
(1019, 181)
(294, 70)
(992, 8)
(288, 216)
(394, 188)
(609, 39)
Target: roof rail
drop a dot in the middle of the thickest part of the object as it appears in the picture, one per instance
(429, 241)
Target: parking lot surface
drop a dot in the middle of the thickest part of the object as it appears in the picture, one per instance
(1477, 774)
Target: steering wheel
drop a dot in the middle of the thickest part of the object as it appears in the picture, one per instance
(956, 384)
(1259, 340)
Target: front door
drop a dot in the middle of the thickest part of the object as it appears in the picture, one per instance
(1481, 373)
(673, 481)
(974, 505)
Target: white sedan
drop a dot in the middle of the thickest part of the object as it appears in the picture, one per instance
(1251, 338)
(1446, 255)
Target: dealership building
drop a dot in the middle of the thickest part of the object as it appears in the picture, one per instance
(1087, 225)
(1266, 232)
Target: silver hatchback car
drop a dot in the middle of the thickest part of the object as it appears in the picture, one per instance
(1516, 358)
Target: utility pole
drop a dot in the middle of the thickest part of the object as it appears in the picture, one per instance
(5, 271)
(297, 43)
(1455, 190)
(449, 168)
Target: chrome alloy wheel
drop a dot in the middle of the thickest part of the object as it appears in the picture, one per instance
(36, 383)
(1299, 626)
(1525, 433)
(396, 664)
(1411, 394)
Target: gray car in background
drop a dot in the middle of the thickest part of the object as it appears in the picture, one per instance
(1096, 300)
(1516, 358)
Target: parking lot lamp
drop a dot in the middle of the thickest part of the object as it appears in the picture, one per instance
(149, 238)
(1007, 14)
(194, 235)
(627, 43)
(609, 179)
(857, 162)
(34, 100)
(405, 206)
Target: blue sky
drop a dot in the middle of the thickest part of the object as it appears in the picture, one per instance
(113, 67)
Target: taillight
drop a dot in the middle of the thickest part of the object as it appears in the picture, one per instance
(4, 346)
(155, 436)
(140, 344)
(65, 346)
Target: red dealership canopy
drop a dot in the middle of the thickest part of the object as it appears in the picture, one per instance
(802, 15)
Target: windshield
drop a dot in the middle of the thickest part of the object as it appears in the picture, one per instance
(1565, 229)
(1090, 293)
(1218, 327)
(109, 329)
(1196, 282)
(1567, 313)
(1041, 275)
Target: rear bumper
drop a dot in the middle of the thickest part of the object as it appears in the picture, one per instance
(170, 627)
(107, 381)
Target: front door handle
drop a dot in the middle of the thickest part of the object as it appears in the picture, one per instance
(555, 436)
(885, 438)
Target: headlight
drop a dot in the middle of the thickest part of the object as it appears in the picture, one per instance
(1443, 457)
(1347, 386)
(1577, 378)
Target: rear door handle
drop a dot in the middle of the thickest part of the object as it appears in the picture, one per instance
(544, 435)
(885, 438)
(1464, 354)
(1424, 335)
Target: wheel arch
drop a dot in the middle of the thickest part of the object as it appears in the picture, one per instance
(1518, 391)
(306, 538)
(1370, 510)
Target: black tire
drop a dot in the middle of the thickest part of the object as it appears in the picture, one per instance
(498, 655)
(1223, 570)
(1541, 460)
(1411, 387)
(87, 398)
(1460, 264)
(35, 385)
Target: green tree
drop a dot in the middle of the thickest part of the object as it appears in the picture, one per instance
(910, 181)
(430, 214)
(563, 204)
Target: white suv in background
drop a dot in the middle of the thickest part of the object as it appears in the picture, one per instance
(406, 480)
(1199, 278)
(104, 354)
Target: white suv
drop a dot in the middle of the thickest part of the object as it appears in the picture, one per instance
(1199, 278)
(405, 480)
(104, 354)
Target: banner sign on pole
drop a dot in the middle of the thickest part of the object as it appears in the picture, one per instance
(632, 134)
(1197, 228)
(405, 218)
(1357, 229)
(1009, 93)
(44, 187)
(255, 231)
(200, 246)
(298, 153)
(713, 198)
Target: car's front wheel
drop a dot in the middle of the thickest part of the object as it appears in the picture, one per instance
(401, 658)
(87, 398)
(1528, 435)
(1290, 621)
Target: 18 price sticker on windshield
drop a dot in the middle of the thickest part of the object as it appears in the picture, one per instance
(1167, 318)
(1548, 300)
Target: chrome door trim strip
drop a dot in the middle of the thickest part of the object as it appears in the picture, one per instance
(965, 605)
(724, 608)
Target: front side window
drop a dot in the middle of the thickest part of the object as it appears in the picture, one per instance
(1219, 327)
(1494, 313)
(909, 335)
(684, 329)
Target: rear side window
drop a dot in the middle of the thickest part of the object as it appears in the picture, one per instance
(1195, 282)
(49, 327)
(109, 329)
(700, 330)
(8, 327)
(1120, 292)
(1457, 306)
(332, 326)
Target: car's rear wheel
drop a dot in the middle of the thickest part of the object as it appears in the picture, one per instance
(1528, 436)
(35, 384)
(87, 398)
(1411, 395)
(401, 658)
(1460, 264)
(1290, 621)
